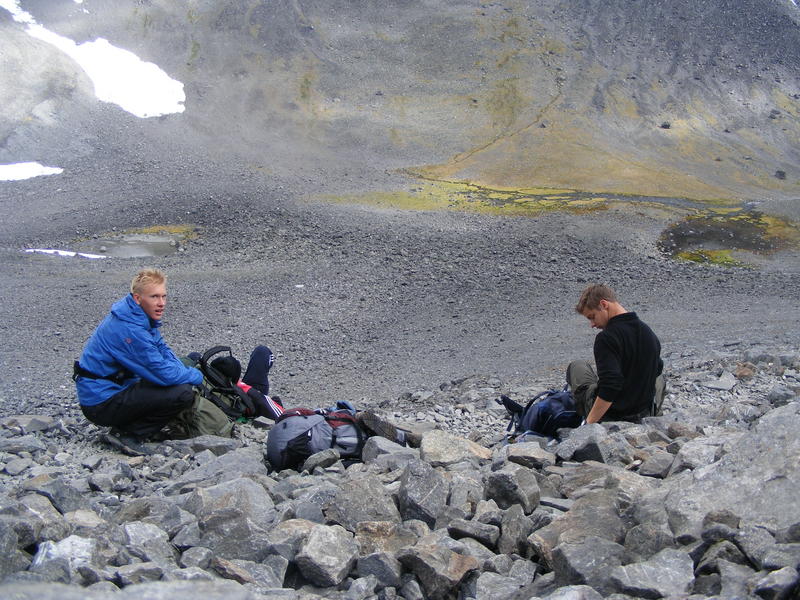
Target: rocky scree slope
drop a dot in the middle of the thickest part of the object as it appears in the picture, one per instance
(700, 502)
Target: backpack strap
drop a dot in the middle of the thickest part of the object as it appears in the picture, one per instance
(344, 416)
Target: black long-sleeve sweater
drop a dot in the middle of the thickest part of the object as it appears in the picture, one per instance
(627, 355)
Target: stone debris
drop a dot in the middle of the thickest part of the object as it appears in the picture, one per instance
(700, 502)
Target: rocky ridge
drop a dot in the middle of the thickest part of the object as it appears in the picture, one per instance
(700, 502)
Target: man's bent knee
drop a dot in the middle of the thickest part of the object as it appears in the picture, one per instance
(184, 396)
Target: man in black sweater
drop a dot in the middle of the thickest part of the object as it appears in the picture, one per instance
(628, 384)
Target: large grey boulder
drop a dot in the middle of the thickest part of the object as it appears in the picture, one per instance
(513, 484)
(150, 543)
(439, 569)
(594, 442)
(61, 493)
(515, 527)
(423, 492)
(362, 498)
(758, 479)
(244, 462)
(441, 449)
(388, 537)
(594, 514)
(668, 573)
(327, 555)
(588, 561)
(245, 495)
(383, 566)
(60, 561)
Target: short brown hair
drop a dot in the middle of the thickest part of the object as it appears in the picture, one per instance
(591, 296)
(147, 277)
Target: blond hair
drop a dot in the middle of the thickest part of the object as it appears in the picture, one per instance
(147, 277)
(592, 295)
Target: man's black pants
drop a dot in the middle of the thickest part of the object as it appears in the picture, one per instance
(141, 409)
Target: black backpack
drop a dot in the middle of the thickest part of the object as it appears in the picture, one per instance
(545, 414)
(220, 377)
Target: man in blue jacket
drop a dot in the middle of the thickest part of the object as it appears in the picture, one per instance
(127, 377)
(628, 384)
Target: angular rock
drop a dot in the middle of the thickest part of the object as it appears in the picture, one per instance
(668, 573)
(377, 446)
(723, 550)
(230, 534)
(694, 454)
(150, 543)
(423, 492)
(384, 537)
(777, 585)
(657, 464)
(530, 455)
(322, 460)
(594, 514)
(23, 443)
(780, 395)
(573, 592)
(241, 463)
(327, 555)
(361, 589)
(646, 539)
(757, 478)
(734, 579)
(213, 443)
(53, 525)
(361, 499)
(63, 496)
(589, 561)
(245, 495)
(725, 382)
(782, 555)
(593, 442)
(513, 484)
(287, 537)
(196, 557)
(383, 566)
(229, 570)
(515, 528)
(755, 543)
(66, 556)
(485, 534)
(442, 449)
(466, 491)
(491, 586)
(28, 423)
(438, 569)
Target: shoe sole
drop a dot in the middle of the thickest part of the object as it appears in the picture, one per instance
(378, 426)
(117, 443)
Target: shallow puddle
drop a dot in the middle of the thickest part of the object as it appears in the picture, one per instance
(152, 241)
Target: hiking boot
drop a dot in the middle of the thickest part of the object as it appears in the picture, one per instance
(413, 440)
(125, 443)
(378, 425)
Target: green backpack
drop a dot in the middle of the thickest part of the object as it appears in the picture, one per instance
(218, 401)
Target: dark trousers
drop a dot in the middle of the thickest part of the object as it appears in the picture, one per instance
(583, 382)
(257, 374)
(141, 409)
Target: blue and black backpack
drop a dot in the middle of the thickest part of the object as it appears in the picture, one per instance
(544, 414)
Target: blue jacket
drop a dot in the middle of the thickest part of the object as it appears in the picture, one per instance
(129, 339)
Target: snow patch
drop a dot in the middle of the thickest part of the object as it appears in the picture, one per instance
(26, 170)
(119, 76)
